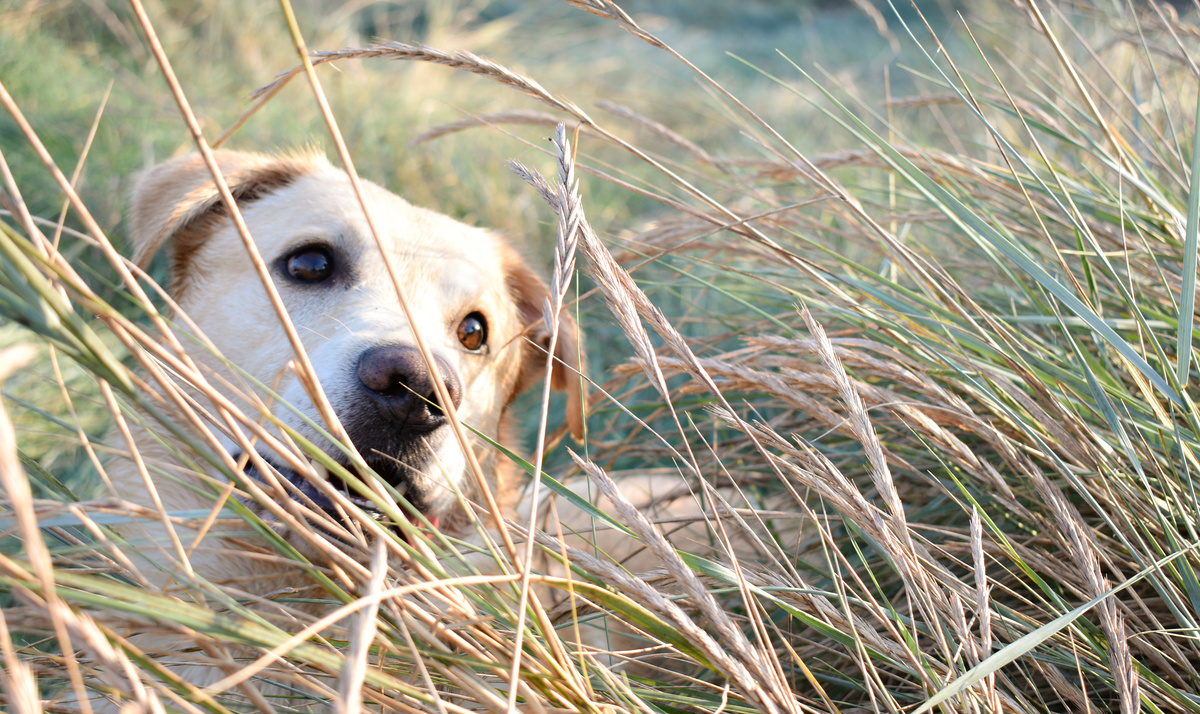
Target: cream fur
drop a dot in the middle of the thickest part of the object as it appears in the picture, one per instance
(447, 269)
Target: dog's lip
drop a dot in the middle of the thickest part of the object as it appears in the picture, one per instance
(323, 502)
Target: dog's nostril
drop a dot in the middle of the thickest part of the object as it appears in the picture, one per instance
(434, 406)
(398, 378)
(401, 385)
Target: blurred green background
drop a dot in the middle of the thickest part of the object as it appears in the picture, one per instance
(67, 62)
(58, 58)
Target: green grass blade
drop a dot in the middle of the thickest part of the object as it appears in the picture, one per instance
(1026, 644)
(61, 319)
(1187, 301)
(63, 520)
(101, 592)
(967, 219)
(559, 488)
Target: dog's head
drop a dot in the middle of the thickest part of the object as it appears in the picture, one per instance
(476, 303)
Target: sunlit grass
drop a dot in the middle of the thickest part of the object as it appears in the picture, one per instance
(905, 385)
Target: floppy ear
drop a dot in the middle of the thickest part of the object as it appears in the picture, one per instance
(178, 200)
(530, 293)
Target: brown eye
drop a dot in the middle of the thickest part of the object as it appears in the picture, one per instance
(472, 331)
(311, 264)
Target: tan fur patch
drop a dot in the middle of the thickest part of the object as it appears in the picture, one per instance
(530, 292)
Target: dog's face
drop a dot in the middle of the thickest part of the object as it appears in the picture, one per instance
(475, 303)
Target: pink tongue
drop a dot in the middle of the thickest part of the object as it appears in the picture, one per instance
(433, 521)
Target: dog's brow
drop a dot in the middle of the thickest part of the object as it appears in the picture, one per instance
(463, 286)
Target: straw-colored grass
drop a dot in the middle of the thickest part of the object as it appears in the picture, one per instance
(900, 413)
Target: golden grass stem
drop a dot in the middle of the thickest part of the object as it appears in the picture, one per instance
(89, 222)
(19, 208)
(260, 267)
(1119, 146)
(18, 682)
(20, 499)
(82, 161)
(443, 395)
(362, 634)
(147, 480)
(570, 217)
(756, 684)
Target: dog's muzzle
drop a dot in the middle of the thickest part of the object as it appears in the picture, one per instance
(397, 424)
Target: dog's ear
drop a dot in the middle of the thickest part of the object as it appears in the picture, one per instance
(530, 293)
(178, 200)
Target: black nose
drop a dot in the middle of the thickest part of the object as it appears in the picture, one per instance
(402, 386)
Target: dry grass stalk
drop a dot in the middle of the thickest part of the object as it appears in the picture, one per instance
(20, 686)
(235, 215)
(19, 498)
(659, 129)
(481, 481)
(903, 548)
(758, 684)
(570, 219)
(477, 65)
(464, 61)
(363, 633)
(491, 119)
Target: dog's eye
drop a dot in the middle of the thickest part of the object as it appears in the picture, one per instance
(472, 331)
(312, 264)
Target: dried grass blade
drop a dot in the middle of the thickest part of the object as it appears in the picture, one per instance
(235, 215)
(365, 625)
(484, 488)
(19, 684)
(746, 667)
(491, 119)
(19, 497)
(1120, 146)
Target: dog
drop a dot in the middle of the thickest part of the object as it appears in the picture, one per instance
(477, 304)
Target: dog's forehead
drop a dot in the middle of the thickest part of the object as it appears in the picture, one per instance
(326, 200)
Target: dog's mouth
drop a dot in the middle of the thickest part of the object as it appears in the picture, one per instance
(304, 490)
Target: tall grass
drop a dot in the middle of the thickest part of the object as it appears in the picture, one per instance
(903, 423)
